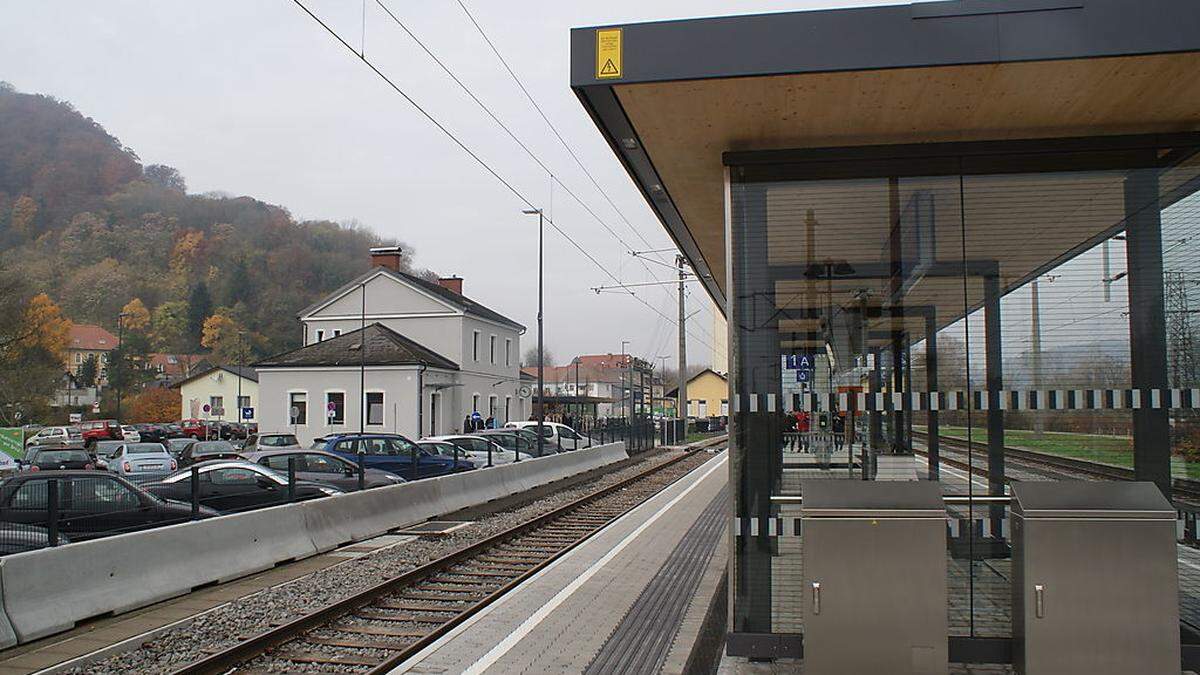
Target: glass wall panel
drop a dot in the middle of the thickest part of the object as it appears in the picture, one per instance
(974, 319)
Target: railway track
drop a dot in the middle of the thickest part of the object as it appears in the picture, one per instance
(1183, 488)
(379, 628)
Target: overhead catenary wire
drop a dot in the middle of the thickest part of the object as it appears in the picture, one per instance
(511, 134)
(479, 160)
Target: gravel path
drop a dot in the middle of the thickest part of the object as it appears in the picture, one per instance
(250, 615)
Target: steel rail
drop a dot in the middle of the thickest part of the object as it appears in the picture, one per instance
(258, 645)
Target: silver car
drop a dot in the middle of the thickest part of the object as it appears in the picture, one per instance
(476, 449)
(140, 460)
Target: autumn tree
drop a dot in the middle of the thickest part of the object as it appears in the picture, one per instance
(199, 308)
(135, 316)
(165, 177)
(31, 362)
(530, 359)
(45, 325)
(155, 404)
(169, 326)
(221, 335)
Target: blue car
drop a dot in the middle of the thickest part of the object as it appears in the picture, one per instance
(389, 452)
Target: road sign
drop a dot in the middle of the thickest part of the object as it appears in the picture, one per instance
(247, 413)
(206, 408)
(476, 416)
(12, 442)
(295, 412)
(96, 407)
(803, 375)
(75, 418)
(331, 412)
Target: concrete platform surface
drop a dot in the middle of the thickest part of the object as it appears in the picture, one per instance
(629, 600)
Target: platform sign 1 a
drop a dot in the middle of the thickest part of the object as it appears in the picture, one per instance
(12, 441)
(799, 361)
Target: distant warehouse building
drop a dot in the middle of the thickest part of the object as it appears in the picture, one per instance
(393, 352)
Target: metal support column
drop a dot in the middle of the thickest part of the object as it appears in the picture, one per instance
(755, 434)
(995, 387)
(1147, 327)
(933, 442)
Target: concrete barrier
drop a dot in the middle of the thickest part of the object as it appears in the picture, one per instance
(49, 590)
(124, 572)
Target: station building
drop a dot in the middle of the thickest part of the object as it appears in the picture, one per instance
(979, 223)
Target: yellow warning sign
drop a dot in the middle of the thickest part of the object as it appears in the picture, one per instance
(608, 54)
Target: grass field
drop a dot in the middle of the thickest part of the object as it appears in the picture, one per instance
(1113, 450)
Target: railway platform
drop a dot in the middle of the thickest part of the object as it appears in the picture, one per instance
(632, 599)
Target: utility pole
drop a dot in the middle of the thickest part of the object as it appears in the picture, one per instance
(241, 372)
(626, 390)
(681, 400)
(541, 417)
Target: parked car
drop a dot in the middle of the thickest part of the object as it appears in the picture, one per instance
(236, 485)
(140, 459)
(90, 503)
(452, 451)
(129, 434)
(205, 450)
(558, 435)
(51, 458)
(478, 449)
(193, 428)
(390, 452)
(323, 467)
(151, 433)
(19, 538)
(102, 449)
(176, 446)
(56, 436)
(257, 441)
(173, 430)
(100, 430)
(511, 439)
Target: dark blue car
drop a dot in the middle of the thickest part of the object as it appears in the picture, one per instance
(389, 452)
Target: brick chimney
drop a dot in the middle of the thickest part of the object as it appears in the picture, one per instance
(386, 256)
(452, 283)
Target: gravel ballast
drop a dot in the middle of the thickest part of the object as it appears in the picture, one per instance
(245, 617)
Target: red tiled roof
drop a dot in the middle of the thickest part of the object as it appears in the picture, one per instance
(91, 336)
(175, 364)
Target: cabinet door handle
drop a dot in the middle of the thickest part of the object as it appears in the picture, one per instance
(1039, 600)
(816, 597)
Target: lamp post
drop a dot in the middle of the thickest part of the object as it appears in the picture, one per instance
(121, 356)
(541, 417)
(578, 402)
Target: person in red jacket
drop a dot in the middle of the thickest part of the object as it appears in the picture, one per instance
(802, 426)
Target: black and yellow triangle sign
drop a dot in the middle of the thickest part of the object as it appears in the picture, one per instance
(608, 54)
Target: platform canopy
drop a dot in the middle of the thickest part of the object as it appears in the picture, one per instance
(681, 101)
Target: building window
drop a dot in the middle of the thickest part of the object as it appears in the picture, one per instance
(507, 408)
(335, 407)
(492, 400)
(475, 345)
(475, 403)
(298, 407)
(243, 402)
(375, 407)
(216, 405)
(320, 335)
(724, 407)
(78, 357)
(492, 349)
(507, 352)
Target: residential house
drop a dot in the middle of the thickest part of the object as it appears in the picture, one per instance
(438, 356)
(224, 389)
(85, 341)
(171, 368)
(707, 394)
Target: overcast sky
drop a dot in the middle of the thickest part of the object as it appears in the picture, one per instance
(254, 98)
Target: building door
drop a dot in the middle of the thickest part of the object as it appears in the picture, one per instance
(433, 413)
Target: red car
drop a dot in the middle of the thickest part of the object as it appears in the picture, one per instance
(194, 428)
(100, 430)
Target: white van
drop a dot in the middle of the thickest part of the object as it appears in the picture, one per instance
(558, 435)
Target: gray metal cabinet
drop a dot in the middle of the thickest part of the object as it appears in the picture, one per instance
(1095, 584)
(874, 578)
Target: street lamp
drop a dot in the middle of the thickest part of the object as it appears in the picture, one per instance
(121, 355)
(541, 417)
(241, 371)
